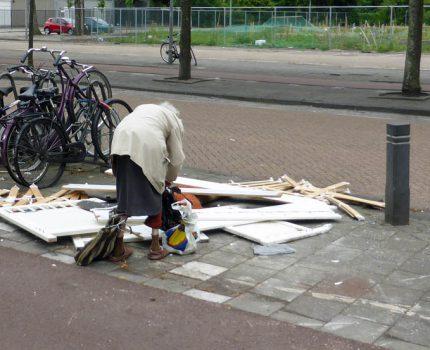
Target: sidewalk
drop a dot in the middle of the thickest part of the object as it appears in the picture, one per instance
(365, 281)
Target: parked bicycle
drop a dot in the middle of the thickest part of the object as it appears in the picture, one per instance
(164, 51)
(65, 124)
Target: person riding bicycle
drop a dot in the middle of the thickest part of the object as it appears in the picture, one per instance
(146, 153)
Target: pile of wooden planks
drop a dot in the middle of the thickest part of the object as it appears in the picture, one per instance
(334, 194)
(33, 195)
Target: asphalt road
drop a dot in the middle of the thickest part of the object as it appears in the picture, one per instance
(47, 305)
(301, 67)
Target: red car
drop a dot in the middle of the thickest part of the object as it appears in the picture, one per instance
(58, 25)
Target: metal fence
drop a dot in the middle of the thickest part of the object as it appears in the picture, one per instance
(237, 25)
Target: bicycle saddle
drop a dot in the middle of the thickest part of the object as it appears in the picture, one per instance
(4, 91)
(29, 94)
(47, 93)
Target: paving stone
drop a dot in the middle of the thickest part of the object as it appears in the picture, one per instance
(224, 286)
(66, 251)
(344, 285)
(412, 329)
(336, 252)
(33, 247)
(409, 280)
(180, 260)
(323, 263)
(297, 319)
(421, 309)
(149, 268)
(374, 232)
(278, 289)
(404, 242)
(220, 238)
(357, 242)
(222, 258)
(4, 226)
(316, 308)
(398, 296)
(380, 261)
(207, 296)
(372, 313)
(256, 304)
(66, 259)
(128, 276)
(8, 244)
(301, 277)
(241, 247)
(354, 328)
(171, 283)
(198, 270)
(17, 236)
(395, 344)
(419, 266)
(273, 262)
(249, 273)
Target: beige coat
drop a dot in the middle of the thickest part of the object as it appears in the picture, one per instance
(152, 136)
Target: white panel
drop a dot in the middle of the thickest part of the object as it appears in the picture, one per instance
(49, 221)
(276, 232)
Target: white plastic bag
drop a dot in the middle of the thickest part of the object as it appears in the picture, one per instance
(182, 239)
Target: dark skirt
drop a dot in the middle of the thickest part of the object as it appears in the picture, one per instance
(135, 194)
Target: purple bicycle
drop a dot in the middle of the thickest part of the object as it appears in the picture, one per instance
(81, 125)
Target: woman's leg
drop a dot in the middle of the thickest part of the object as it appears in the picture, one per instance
(156, 251)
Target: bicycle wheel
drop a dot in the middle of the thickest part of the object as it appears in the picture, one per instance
(81, 130)
(39, 152)
(164, 52)
(104, 124)
(9, 136)
(95, 75)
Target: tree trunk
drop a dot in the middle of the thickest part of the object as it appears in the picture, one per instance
(31, 15)
(411, 78)
(185, 43)
(79, 17)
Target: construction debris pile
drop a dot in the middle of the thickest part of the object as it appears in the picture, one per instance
(63, 213)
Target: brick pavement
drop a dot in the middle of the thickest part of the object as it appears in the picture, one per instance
(253, 141)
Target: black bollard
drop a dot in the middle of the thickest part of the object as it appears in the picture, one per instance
(397, 195)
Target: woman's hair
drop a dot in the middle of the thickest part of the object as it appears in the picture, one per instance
(170, 107)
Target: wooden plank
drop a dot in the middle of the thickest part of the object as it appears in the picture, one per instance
(351, 198)
(25, 199)
(38, 196)
(4, 192)
(341, 186)
(346, 208)
(54, 196)
(11, 198)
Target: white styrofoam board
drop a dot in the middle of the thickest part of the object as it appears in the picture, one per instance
(232, 191)
(276, 232)
(276, 212)
(285, 198)
(102, 217)
(51, 220)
